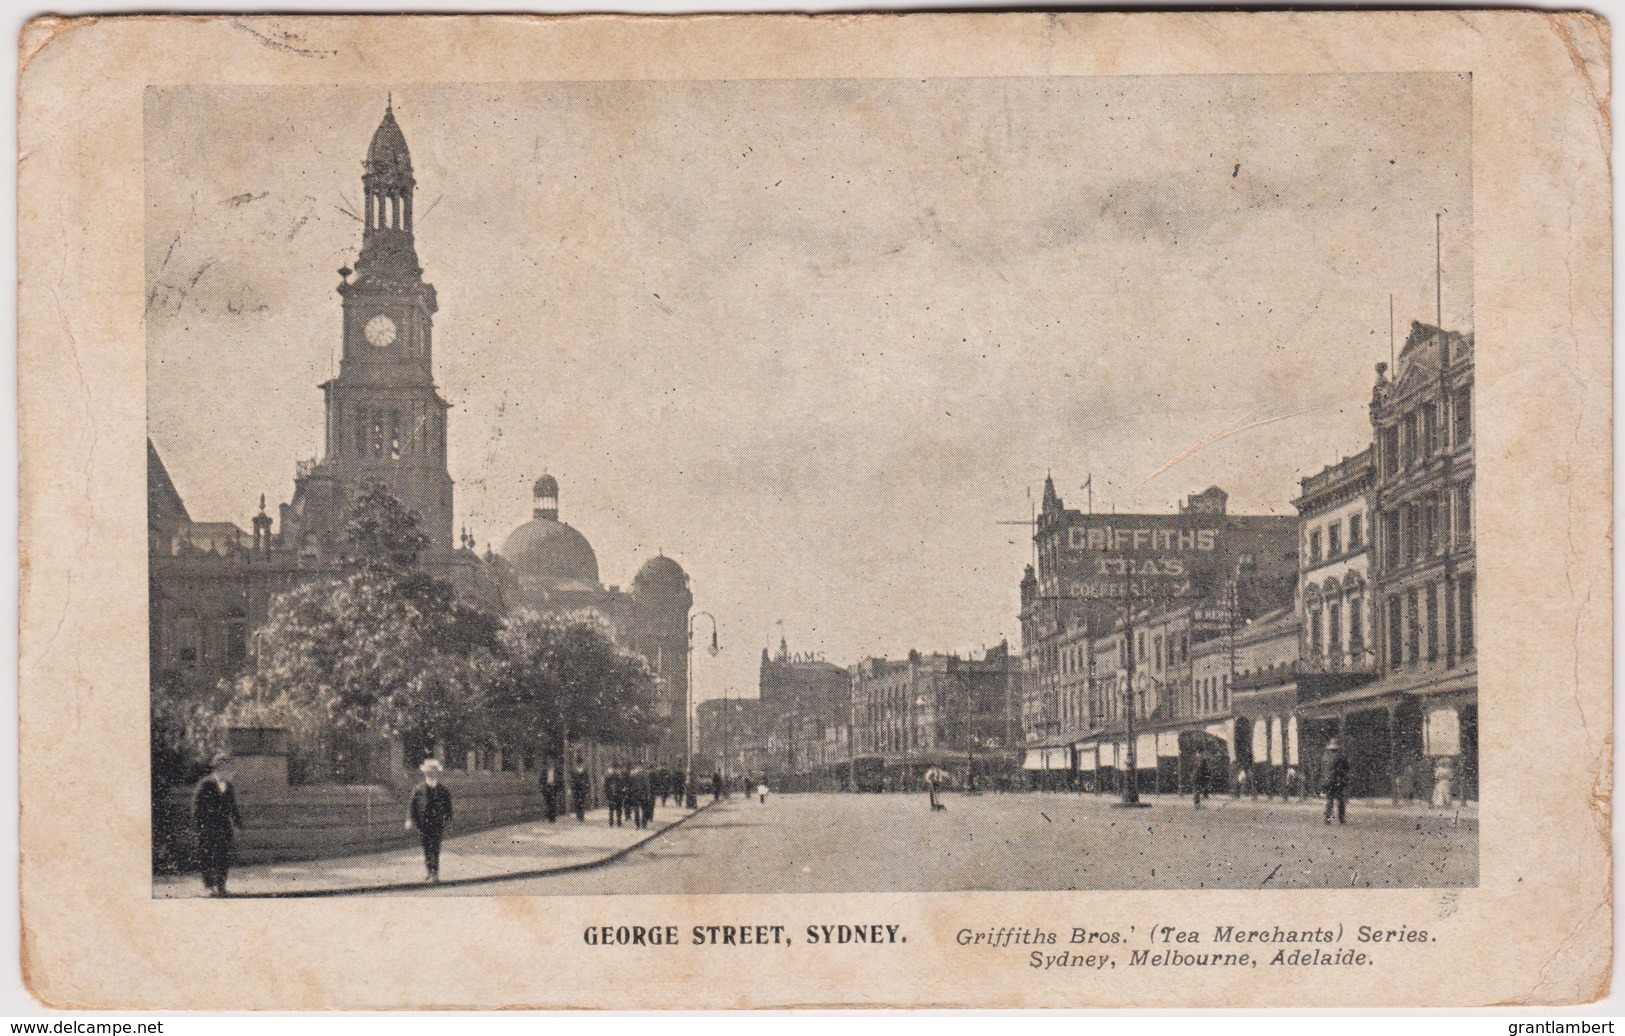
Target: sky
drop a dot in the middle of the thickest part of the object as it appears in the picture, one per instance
(819, 340)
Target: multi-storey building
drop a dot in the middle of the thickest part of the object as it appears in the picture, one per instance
(1074, 619)
(934, 709)
(1334, 590)
(1418, 721)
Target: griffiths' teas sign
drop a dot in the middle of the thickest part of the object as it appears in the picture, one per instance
(1140, 556)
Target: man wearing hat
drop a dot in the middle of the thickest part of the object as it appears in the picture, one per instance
(214, 812)
(431, 813)
(1337, 781)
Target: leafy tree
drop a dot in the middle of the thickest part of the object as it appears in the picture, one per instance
(562, 680)
(381, 532)
(382, 648)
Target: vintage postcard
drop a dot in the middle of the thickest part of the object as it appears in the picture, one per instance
(988, 511)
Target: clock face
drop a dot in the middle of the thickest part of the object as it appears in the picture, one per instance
(380, 331)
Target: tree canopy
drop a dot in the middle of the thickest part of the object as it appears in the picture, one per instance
(565, 679)
(384, 648)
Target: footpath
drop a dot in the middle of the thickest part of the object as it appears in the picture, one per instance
(521, 850)
(1378, 806)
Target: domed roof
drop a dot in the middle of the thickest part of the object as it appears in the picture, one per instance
(387, 153)
(662, 571)
(551, 552)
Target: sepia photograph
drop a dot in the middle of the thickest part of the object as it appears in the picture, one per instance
(946, 511)
(861, 485)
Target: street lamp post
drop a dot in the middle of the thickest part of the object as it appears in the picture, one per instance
(727, 748)
(690, 801)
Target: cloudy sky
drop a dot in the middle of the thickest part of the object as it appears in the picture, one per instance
(815, 340)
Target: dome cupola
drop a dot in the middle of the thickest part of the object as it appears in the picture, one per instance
(546, 555)
(545, 497)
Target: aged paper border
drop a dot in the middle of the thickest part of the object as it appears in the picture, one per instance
(1538, 928)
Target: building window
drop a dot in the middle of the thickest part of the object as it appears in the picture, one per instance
(1334, 539)
(1413, 629)
(1356, 628)
(1413, 425)
(1390, 450)
(1464, 585)
(1433, 622)
(1314, 547)
(1464, 512)
(1314, 633)
(1354, 532)
(1430, 431)
(1157, 644)
(1396, 653)
(1390, 538)
(1463, 407)
(1430, 524)
(1334, 629)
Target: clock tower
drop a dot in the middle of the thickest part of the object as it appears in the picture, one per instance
(386, 421)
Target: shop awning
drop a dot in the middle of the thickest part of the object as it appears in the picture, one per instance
(1276, 701)
(1034, 760)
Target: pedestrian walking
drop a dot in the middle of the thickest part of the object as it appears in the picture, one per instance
(934, 779)
(640, 796)
(761, 792)
(1200, 778)
(550, 794)
(431, 815)
(1337, 781)
(217, 819)
(679, 785)
(661, 779)
(578, 790)
(614, 797)
(1444, 780)
(716, 785)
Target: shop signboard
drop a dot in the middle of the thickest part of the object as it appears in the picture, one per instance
(1140, 557)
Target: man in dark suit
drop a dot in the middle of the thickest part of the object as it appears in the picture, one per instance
(637, 790)
(214, 812)
(1337, 781)
(431, 815)
(613, 797)
(578, 790)
(550, 793)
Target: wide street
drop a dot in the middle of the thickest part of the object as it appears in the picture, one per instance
(1016, 842)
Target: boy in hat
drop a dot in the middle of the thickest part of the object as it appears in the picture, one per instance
(431, 814)
(214, 812)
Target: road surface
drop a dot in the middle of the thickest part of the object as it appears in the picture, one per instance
(885, 843)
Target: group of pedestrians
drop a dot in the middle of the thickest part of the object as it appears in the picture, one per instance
(631, 794)
(561, 792)
(1335, 778)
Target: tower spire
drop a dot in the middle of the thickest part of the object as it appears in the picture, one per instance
(387, 249)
